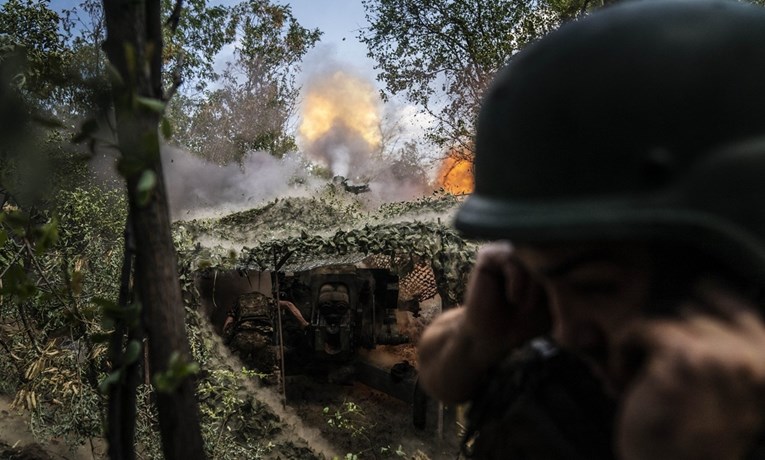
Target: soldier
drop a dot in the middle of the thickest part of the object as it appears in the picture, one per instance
(624, 157)
(249, 331)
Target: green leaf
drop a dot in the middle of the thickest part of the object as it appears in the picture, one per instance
(130, 165)
(18, 221)
(151, 104)
(114, 75)
(3, 237)
(130, 60)
(145, 187)
(132, 352)
(48, 236)
(16, 282)
(112, 379)
(177, 371)
(167, 128)
(107, 323)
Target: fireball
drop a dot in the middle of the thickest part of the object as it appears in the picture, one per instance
(341, 100)
(456, 176)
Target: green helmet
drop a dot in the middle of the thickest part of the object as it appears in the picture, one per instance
(645, 120)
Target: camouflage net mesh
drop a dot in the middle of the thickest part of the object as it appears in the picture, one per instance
(419, 284)
(410, 239)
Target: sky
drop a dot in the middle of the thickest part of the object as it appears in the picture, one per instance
(340, 20)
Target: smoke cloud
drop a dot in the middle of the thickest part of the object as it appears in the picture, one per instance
(342, 126)
(340, 121)
(196, 187)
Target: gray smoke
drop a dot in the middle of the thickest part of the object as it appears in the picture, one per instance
(344, 126)
(343, 149)
(196, 187)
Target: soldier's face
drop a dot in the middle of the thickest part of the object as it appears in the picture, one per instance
(595, 292)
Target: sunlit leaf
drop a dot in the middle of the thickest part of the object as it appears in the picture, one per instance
(151, 104)
(48, 236)
(145, 187)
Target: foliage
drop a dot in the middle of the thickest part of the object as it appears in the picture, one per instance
(177, 371)
(234, 423)
(192, 39)
(349, 419)
(232, 418)
(442, 55)
(255, 100)
(332, 229)
(60, 264)
(51, 319)
(32, 28)
(236, 420)
(63, 403)
(55, 358)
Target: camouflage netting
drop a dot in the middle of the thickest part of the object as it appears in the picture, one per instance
(413, 239)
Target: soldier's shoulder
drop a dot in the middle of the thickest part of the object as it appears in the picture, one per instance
(254, 298)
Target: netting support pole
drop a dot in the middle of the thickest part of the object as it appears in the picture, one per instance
(281, 335)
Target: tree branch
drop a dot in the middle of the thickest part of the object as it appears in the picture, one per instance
(175, 16)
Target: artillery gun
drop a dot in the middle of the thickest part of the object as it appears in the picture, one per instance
(333, 318)
(354, 282)
(346, 307)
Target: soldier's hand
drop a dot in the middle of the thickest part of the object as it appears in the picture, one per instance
(228, 326)
(504, 307)
(701, 391)
(503, 303)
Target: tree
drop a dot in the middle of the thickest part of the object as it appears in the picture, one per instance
(66, 77)
(441, 55)
(30, 27)
(134, 47)
(199, 32)
(256, 100)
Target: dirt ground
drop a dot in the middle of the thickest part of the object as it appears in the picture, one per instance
(356, 419)
(17, 441)
(351, 418)
(378, 426)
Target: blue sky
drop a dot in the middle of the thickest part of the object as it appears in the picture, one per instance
(340, 20)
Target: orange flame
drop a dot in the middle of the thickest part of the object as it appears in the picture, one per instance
(341, 99)
(456, 176)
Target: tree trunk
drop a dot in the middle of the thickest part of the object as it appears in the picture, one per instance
(134, 48)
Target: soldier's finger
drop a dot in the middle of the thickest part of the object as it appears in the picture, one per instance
(724, 303)
(489, 279)
(641, 344)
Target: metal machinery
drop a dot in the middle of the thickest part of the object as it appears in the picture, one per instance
(339, 316)
(346, 307)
